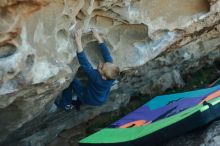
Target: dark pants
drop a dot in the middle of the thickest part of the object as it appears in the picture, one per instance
(75, 87)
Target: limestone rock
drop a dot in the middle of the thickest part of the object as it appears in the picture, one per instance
(148, 40)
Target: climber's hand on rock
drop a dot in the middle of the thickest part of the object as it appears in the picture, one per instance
(95, 33)
(97, 36)
(78, 36)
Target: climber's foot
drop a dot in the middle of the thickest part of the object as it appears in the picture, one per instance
(61, 105)
(76, 104)
(68, 107)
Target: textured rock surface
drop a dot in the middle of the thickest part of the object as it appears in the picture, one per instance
(206, 136)
(37, 54)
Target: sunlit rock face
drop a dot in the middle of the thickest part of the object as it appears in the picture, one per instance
(38, 59)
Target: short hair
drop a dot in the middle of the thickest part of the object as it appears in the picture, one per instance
(111, 71)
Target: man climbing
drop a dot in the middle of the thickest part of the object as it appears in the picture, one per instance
(100, 80)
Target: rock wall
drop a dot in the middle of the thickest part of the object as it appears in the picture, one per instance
(153, 42)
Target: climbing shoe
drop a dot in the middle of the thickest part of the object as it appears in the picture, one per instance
(76, 104)
(60, 105)
(68, 107)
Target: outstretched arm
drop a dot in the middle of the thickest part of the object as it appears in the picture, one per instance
(83, 61)
(105, 51)
(78, 36)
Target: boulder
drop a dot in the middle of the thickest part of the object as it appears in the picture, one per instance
(153, 42)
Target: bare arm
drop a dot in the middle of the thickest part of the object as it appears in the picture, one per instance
(105, 51)
(97, 36)
(78, 36)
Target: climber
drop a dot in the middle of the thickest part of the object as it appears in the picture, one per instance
(100, 80)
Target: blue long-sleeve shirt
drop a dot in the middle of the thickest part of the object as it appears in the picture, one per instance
(97, 90)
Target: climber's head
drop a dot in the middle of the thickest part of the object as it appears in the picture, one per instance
(108, 71)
